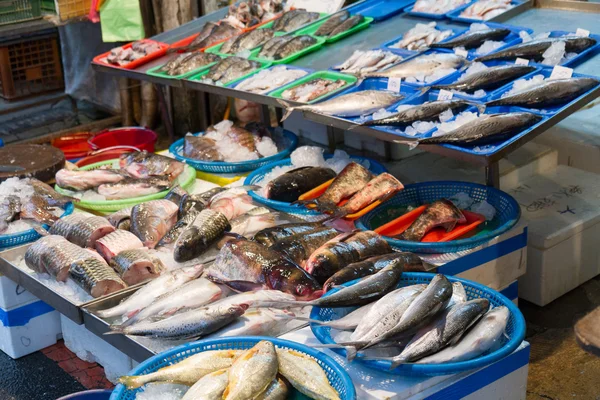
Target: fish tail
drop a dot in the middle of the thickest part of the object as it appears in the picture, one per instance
(480, 106)
(396, 362)
(288, 109)
(116, 330)
(305, 202)
(132, 382)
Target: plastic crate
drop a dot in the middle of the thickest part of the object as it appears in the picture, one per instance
(12, 11)
(29, 67)
(67, 9)
(48, 6)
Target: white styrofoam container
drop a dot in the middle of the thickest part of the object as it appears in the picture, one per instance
(13, 295)
(39, 332)
(562, 211)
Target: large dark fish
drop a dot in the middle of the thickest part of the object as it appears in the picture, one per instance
(218, 34)
(193, 62)
(245, 265)
(473, 39)
(206, 229)
(299, 20)
(270, 236)
(136, 265)
(439, 213)
(534, 49)
(51, 196)
(240, 68)
(176, 194)
(293, 46)
(548, 93)
(170, 238)
(346, 25)
(141, 164)
(298, 248)
(150, 221)
(490, 129)
(332, 22)
(170, 66)
(488, 79)
(410, 263)
(342, 250)
(281, 22)
(291, 185)
(250, 40)
(216, 71)
(84, 233)
(380, 188)
(96, 277)
(205, 32)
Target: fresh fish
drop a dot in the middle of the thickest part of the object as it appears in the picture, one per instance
(379, 188)
(291, 185)
(422, 36)
(347, 25)
(51, 196)
(439, 213)
(490, 128)
(256, 322)
(209, 387)
(252, 372)
(234, 69)
(38, 210)
(136, 265)
(423, 65)
(312, 89)
(549, 93)
(9, 210)
(277, 390)
(95, 277)
(298, 248)
(172, 65)
(186, 325)
(207, 29)
(207, 228)
(258, 129)
(245, 265)
(57, 258)
(342, 250)
(352, 179)
(218, 34)
(167, 242)
(488, 79)
(84, 180)
(216, 71)
(258, 298)
(116, 242)
(361, 62)
(269, 49)
(282, 21)
(305, 375)
(150, 221)
(250, 40)
(165, 283)
(201, 148)
(64, 225)
(347, 322)
(348, 105)
(232, 204)
(270, 236)
(293, 46)
(332, 22)
(473, 39)
(193, 62)
(412, 263)
(459, 294)
(176, 195)
(33, 255)
(248, 225)
(534, 49)
(204, 197)
(185, 372)
(85, 232)
(119, 219)
(299, 21)
(485, 335)
(133, 187)
(243, 137)
(141, 164)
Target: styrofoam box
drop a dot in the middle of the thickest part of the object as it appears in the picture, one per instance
(562, 210)
(310, 130)
(38, 333)
(13, 295)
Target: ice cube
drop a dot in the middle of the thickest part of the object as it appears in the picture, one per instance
(484, 208)
(307, 156)
(446, 115)
(266, 147)
(525, 37)
(554, 54)
(162, 391)
(478, 27)
(381, 113)
(461, 200)
(488, 46)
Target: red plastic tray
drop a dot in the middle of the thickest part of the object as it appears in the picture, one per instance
(74, 146)
(137, 63)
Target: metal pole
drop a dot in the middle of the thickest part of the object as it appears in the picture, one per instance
(265, 115)
(162, 103)
(492, 175)
(331, 138)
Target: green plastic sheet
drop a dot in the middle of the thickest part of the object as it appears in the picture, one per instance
(121, 21)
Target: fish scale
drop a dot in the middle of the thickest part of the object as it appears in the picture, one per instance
(84, 233)
(96, 277)
(64, 225)
(150, 221)
(298, 248)
(270, 236)
(293, 46)
(347, 25)
(136, 265)
(207, 227)
(379, 188)
(116, 242)
(195, 61)
(292, 184)
(332, 22)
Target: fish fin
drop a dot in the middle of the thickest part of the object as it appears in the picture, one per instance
(480, 106)
(131, 382)
(305, 202)
(115, 330)
(351, 352)
(465, 66)
(288, 109)
(132, 314)
(234, 235)
(448, 226)
(242, 286)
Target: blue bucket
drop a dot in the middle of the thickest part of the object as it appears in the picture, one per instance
(97, 394)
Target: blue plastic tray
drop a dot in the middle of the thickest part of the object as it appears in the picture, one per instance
(409, 11)
(379, 10)
(308, 70)
(17, 239)
(286, 140)
(338, 378)
(423, 84)
(441, 27)
(507, 215)
(256, 176)
(515, 330)
(455, 14)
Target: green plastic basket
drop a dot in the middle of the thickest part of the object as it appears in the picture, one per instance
(330, 75)
(199, 76)
(161, 74)
(110, 206)
(49, 6)
(322, 17)
(12, 11)
(311, 29)
(289, 59)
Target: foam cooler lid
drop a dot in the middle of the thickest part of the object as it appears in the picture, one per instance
(558, 204)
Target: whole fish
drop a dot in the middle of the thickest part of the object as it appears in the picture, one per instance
(240, 68)
(57, 257)
(258, 298)
(486, 334)
(172, 64)
(95, 277)
(206, 229)
(167, 242)
(292, 184)
(305, 375)
(38, 210)
(216, 71)
(346, 25)
(535, 49)
(207, 29)
(50, 196)
(84, 233)
(349, 181)
(293, 46)
(311, 90)
(201, 148)
(84, 180)
(185, 372)
(33, 255)
(548, 93)
(342, 250)
(348, 105)
(473, 39)
(232, 204)
(439, 213)
(142, 164)
(209, 387)
(117, 242)
(248, 225)
(269, 49)
(197, 200)
(299, 20)
(332, 22)
(186, 325)
(252, 39)
(252, 372)
(412, 263)
(298, 248)
(347, 322)
(150, 221)
(459, 294)
(491, 128)
(379, 188)
(194, 61)
(243, 137)
(146, 295)
(64, 225)
(218, 34)
(133, 187)
(119, 219)
(277, 390)
(282, 21)
(270, 236)
(423, 65)
(10, 208)
(488, 79)
(361, 62)
(245, 265)
(256, 322)
(136, 265)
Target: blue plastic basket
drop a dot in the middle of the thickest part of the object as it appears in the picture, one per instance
(256, 176)
(507, 215)
(338, 378)
(515, 330)
(441, 27)
(17, 239)
(379, 10)
(286, 140)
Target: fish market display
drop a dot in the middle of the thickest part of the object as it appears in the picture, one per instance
(422, 36)
(486, 9)
(211, 34)
(116, 242)
(209, 387)
(294, 19)
(252, 372)
(229, 69)
(424, 68)
(281, 47)
(332, 23)
(84, 233)
(439, 213)
(347, 25)
(247, 41)
(312, 89)
(232, 203)
(83, 180)
(270, 79)
(207, 228)
(437, 6)
(489, 78)
(122, 56)
(188, 62)
(247, 14)
(535, 49)
(474, 38)
(142, 164)
(136, 265)
(270, 236)
(298, 248)
(257, 322)
(305, 374)
(362, 62)
(150, 221)
(95, 276)
(289, 186)
(379, 188)
(249, 224)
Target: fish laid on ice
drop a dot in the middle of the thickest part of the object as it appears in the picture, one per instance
(38, 209)
(95, 277)
(291, 185)
(488, 79)
(256, 322)
(33, 255)
(84, 180)
(9, 210)
(422, 36)
(437, 7)
(136, 265)
(379, 188)
(348, 322)
(298, 248)
(54, 256)
(133, 187)
(84, 233)
(206, 229)
(141, 164)
(331, 23)
(361, 62)
(486, 9)
(257, 298)
(150, 221)
(535, 49)
(474, 39)
(201, 148)
(311, 90)
(50, 196)
(64, 225)
(252, 372)
(209, 387)
(423, 65)
(116, 242)
(439, 213)
(269, 236)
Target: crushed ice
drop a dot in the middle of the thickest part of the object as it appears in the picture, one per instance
(437, 74)
(488, 46)
(523, 84)
(460, 120)
(555, 53)
(463, 201)
(476, 27)
(162, 391)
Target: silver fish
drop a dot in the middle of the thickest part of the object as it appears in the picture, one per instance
(347, 322)
(64, 225)
(490, 78)
(534, 49)
(423, 65)
(258, 298)
(459, 295)
(33, 255)
(256, 322)
(252, 373)
(150, 221)
(120, 219)
(137, 265)
(96, 277)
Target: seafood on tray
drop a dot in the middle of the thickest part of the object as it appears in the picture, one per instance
(122, 56)
(362, 62)
(422, 36)
(280, 47)
(247, 41)
(247, 14)
(187, 62)
(294, 19)
(229, 69)
(479, 37)
(437, 6)
(211, 33)
(312, 89)
(338, 23)
(425, 68)
(486, 9)
(270, 79)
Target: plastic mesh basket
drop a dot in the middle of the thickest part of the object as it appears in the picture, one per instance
(186, 179)
(258, 175)
(507, 215)
(338, 378)
(515, 330)
(17, 239)
(284, 139)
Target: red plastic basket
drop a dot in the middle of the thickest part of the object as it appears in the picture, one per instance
(104, 155)
(74, 146)
(141, 138)
(101, 59)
